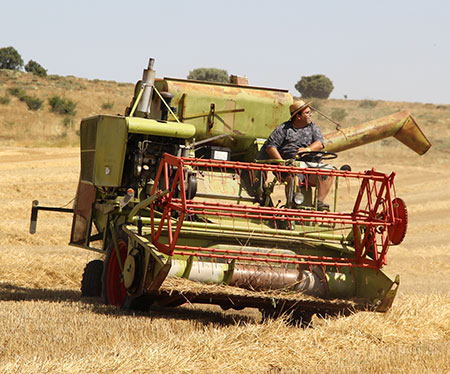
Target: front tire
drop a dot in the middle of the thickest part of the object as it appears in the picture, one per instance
(113, 288)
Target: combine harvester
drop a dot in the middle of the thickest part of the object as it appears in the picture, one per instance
(183, 213)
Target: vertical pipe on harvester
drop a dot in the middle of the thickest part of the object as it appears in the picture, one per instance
(148, 80)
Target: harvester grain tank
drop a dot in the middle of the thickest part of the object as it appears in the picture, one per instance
(173, 196)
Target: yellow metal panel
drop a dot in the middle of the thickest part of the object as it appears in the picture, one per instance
(146, 126)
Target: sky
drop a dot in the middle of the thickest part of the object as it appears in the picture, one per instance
(396, 50)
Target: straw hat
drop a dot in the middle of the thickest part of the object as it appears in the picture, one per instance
(298, 106)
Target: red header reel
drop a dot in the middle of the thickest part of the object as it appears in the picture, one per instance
(376, 220)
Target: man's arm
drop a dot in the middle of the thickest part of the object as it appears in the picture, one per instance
(315, 146)
(273, 153)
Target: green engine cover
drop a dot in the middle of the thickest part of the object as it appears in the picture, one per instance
(103, 147)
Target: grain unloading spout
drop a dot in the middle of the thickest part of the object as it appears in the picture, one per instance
(401, 126)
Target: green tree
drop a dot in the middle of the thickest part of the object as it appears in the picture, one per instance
(209, 75)
(318, 85)
(10, 59)
(35, 68)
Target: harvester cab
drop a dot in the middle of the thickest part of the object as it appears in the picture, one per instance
(174, 197)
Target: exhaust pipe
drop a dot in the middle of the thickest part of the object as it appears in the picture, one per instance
(148, 80)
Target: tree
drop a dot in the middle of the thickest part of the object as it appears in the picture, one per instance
(35, 68)
(317, 85)
(10, 59)
(209, 75)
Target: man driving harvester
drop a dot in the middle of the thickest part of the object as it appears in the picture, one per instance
(295, 136)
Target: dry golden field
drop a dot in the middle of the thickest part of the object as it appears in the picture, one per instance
(46, 327)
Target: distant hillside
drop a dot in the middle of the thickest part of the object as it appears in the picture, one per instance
(20, 125)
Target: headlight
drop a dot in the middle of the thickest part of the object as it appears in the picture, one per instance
(299, 198)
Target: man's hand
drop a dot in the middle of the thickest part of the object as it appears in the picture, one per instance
(300, 150)
(316, 146)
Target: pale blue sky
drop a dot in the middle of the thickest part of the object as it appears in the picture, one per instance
(395, 50)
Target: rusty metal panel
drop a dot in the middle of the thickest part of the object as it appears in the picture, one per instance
(413, 137)
(243, 112)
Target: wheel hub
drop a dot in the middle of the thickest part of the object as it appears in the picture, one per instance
(129, 270)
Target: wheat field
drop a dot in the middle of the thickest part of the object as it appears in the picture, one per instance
(46, 327)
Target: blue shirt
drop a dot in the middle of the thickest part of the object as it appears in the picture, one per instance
(287, 139)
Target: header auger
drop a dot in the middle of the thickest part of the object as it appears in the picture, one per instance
(172, 196)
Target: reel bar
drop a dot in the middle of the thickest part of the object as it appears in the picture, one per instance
(309, 260)
(237, 165)
(267, 213)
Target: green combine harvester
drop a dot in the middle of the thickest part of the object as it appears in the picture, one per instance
(174, 196)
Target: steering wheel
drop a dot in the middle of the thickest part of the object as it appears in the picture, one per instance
(315, 156)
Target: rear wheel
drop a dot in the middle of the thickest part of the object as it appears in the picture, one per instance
(114, 292)
(91, 282)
